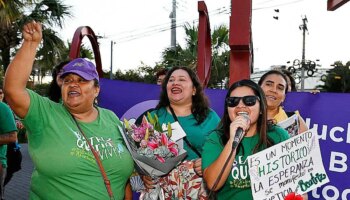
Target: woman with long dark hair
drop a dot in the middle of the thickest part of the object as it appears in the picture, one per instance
(245, 109)
(182, 99)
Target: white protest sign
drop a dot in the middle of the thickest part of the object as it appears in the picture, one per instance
(294, 165)
(177, 133)
(291, 125)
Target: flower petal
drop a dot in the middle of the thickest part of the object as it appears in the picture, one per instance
(290, 196)
(152, 145)
(162, 160)
(298, 197)
(174, 151)
(171, 143)
(144, 120)
(164, 139)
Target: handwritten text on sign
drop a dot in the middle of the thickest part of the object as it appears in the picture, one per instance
(294, 165)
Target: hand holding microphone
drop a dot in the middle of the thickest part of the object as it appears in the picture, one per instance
(238, 128)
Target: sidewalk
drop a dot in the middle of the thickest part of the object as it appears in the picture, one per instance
(18, 187)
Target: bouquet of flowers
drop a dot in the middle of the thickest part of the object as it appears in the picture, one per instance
(152, 149)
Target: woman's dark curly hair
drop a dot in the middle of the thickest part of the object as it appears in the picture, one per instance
(54, 92)
(200, 103)
(262, 124)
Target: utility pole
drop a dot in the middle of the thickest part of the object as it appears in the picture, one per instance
(303, 27)
(303, 65)
(111, 72)
(173, 26)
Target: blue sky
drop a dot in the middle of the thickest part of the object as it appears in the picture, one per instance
(141, 29)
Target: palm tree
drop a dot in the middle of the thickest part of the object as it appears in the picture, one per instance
(337, 79)
(14, 14)
(171, 56)
(9, 13)
(188, 56)
(220, 57)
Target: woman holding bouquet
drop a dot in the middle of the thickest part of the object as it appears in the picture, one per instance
(245, 108)
(182, 99)
(64, 138)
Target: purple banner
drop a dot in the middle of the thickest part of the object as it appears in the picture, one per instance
(329, 112)
(131, 99)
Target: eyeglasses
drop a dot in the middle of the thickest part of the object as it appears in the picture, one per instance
(247, 100)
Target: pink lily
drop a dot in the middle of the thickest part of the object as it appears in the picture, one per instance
(169, 144)
(152, 144)
(161, 159)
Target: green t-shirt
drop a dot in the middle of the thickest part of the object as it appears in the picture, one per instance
(7, 125)
(196, 134)
(65, 168)
(237, 185)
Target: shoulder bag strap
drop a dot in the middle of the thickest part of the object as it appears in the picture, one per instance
(185, 138)
(98, 161)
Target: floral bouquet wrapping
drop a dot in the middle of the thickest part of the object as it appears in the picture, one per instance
(154, 153)
(183, 183)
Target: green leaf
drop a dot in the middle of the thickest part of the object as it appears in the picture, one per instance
(126, 124)
(150, 118)
(157, 125)
(170, 132)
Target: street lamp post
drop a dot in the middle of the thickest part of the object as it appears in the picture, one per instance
(302, 75)
(302, 66)
(111, 72)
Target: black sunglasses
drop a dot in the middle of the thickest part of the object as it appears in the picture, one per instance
(247, 100)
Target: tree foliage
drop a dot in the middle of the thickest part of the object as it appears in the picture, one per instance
(1, 77)
(15, 13)
(187, 56)
(337, 79)
(143, 73)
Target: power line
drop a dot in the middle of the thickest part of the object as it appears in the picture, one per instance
(158, 30)
(264, 2)
(143, 34)
(160, 26)
(278, 5)
(181, 7)
(167, 26)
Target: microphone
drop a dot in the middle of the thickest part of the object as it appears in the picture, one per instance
(239, 132)
(236, 141)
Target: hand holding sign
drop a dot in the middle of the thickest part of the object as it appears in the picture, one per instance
(294, 165)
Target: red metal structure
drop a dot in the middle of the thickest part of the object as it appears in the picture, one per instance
(79, 34)
(332, 5)
(240, 40)
(204, 45)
